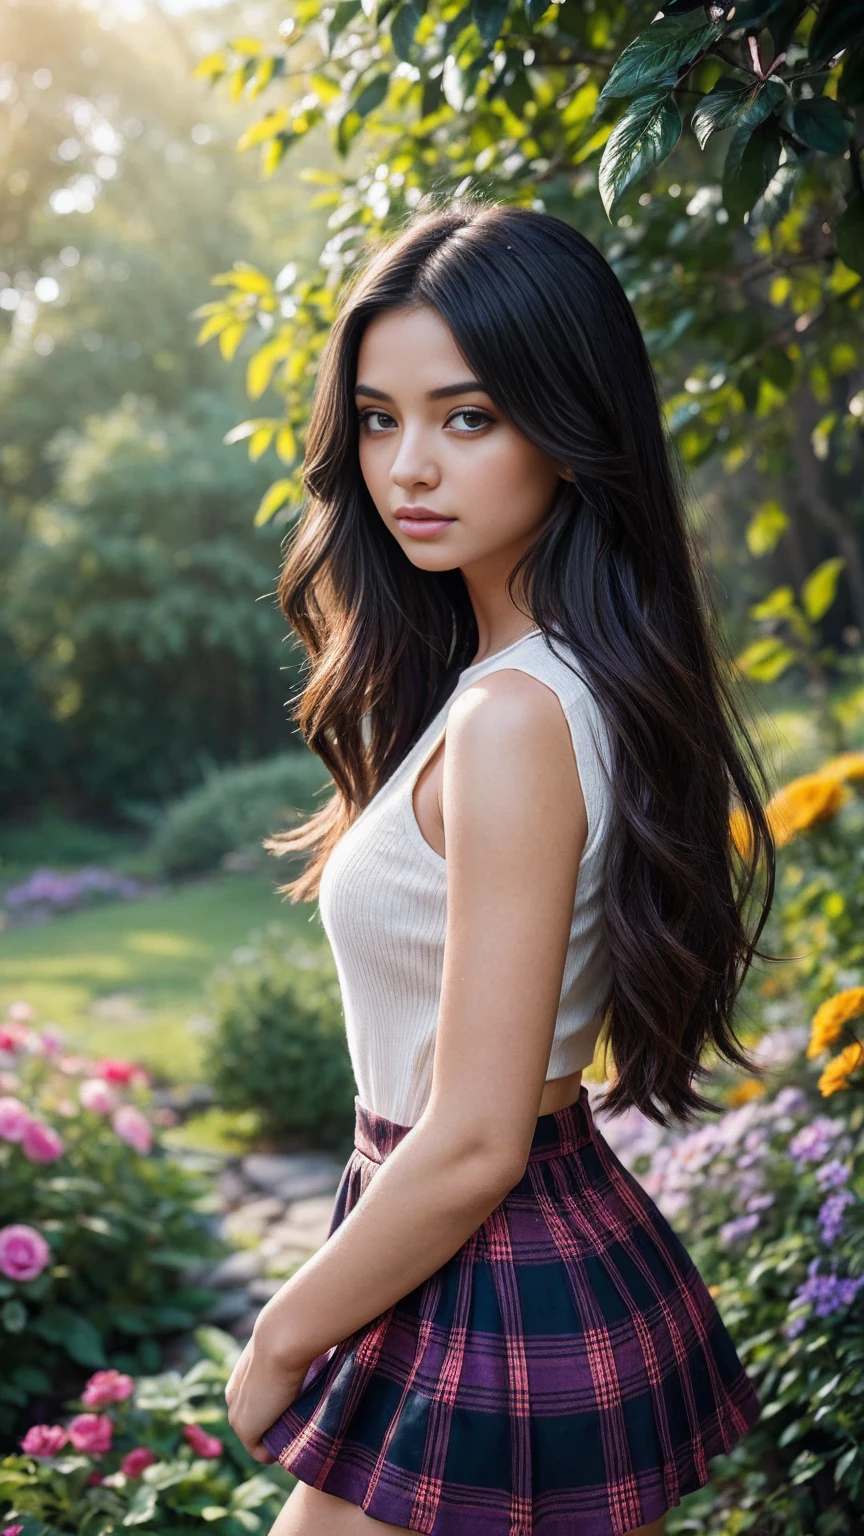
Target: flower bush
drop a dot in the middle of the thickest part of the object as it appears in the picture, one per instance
(155, 1452)
(48, 891)
(96, 1221)
(769, 1198)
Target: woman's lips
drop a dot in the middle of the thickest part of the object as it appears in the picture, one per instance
(422, 527)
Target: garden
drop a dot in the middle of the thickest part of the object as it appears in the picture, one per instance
(163, 304)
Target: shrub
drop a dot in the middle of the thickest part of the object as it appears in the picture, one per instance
(234, 809)
(278, 1046)
(156, 1453)
(96, 1223)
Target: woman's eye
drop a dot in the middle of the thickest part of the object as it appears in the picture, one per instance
(481, 419)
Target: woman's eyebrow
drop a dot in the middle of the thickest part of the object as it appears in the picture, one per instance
(470, 386)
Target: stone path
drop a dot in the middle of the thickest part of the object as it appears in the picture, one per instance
(275, 1212)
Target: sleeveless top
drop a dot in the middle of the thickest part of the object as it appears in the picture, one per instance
(383, 904)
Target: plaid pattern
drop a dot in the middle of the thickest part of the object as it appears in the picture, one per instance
(566, 1373)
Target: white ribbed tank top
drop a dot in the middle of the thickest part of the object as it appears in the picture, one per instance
(383, 904)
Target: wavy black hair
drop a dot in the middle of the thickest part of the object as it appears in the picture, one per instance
(614, 577)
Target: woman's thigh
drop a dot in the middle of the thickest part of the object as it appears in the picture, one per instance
(311, 1512)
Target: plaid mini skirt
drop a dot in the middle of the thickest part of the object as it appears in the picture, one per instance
(565, 1373)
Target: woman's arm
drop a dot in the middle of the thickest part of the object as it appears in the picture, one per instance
(515, 825)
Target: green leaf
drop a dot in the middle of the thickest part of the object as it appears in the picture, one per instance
(849, 234)
(13, 1317)
(779, 604)
(657, 56)
(489, 18)
(372, 94)
(84, 1343)
(218, 1345)
(402, 30)
(837, 24)
(844, 1463)
(143, 1506)
(645, 135)
(766, 528)
(751, 160)
(820, 124)
(274, 498)
(735, 104)
(819, 590)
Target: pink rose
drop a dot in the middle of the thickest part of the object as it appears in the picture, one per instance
(14, 1119)
(9, 1038)
(44, 1440)
(41, 1143)
(107, 1387)
(91, 1432)
(51, 1040)
(23, 1252)
(134, 1462)
(97, 1096)
(115, 1071)
(202, 1443)
(12, 1530)
(133, 1128)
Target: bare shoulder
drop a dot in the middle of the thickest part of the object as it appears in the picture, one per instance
(508, 743)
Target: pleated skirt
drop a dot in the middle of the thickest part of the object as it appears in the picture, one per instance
(565, 1373)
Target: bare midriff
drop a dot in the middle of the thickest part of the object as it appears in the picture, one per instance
(559, 1092)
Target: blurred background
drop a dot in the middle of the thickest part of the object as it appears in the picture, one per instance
(185, 186)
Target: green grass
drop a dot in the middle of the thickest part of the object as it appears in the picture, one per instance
(155, 953)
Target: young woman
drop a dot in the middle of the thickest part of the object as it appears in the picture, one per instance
(515, 684)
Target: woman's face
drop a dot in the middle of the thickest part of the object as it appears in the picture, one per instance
(456, 456)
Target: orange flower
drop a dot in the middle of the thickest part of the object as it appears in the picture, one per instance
(828, 1020)
(840, 1069)
(804, 801)
(848, 765)
(742, 1093)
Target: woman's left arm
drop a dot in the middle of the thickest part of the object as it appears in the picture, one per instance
(515, 825)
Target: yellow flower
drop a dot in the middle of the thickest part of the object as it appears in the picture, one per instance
(848, 765)
(828, 1020)
(840, 1069)
(742, 1093)
(714, 1290)
(804, 801)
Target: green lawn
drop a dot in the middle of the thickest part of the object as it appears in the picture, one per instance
(128, 978)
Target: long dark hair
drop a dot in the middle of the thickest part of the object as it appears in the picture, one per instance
(613, 577)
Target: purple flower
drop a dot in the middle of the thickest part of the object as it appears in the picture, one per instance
(826, 1294)
(760, 1202)
(832, 1175)
(813, 1142)
(732, 1230)
(831, 1218)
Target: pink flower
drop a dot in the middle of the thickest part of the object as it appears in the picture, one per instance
(9, 1038)
(115, 1071)
(94, 1480)
(12, 1530)
(97, 1096)
(44, 1440)
(23, 1252)
(51, 1040)
(41, 1143)
(134, 1462)
(14, 1119)
(107, 1387)
(133, 1128)
(20, 1013)
(91, 1432)
(73, 1066)
(202, 1443)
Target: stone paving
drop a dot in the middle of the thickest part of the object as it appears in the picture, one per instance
(275, 1212)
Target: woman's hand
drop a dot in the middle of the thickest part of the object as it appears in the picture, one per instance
(260, 1388)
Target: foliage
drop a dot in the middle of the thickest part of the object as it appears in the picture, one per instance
(98, 1220)
(279, 1043)
(234, 809)
(184, 1466)
(724, 146)
(770, 1198)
